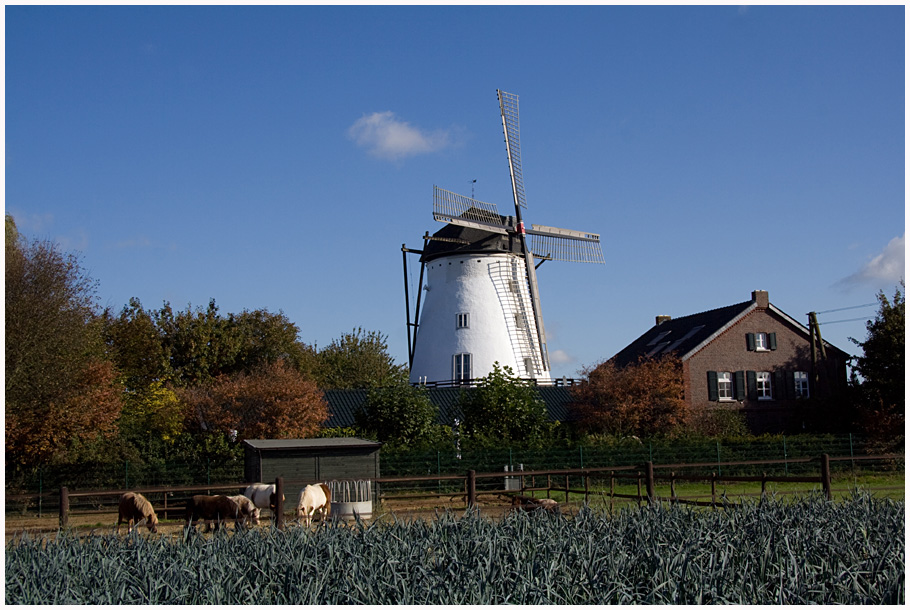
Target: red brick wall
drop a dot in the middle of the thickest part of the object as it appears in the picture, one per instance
(729, 352)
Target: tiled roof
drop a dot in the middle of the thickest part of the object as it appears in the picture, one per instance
(679, 335)
(343, 404)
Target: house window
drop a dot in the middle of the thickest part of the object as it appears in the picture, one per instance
(721, 386)
(462, 367)
(801, 384)
(761, 342)
(763, 385)
(725, 386)
(461, 320)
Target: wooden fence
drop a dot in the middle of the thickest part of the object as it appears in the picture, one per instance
(647, 476)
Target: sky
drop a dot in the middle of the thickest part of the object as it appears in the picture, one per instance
(279, 157)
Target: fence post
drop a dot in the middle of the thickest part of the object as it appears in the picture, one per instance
(40, 491)
(649, 482)
(64, 507)
(471, 483)
(786, 469)
(279, 502)
(713, 489)
(826, 475)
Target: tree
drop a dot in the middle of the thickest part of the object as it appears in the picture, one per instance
(272, 401)
(60, 388)
(359, 360)
(399, 412)
(641, 399)
(503, 408)
(882, 368)
(136, 346)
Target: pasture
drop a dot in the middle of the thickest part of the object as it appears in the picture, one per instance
(804, 550)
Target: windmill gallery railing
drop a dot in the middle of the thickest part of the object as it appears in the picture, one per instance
(470, 383)
(404, 493)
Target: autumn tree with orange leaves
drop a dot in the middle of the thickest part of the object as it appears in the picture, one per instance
(642, 399)
(61, 390)
(272, 401)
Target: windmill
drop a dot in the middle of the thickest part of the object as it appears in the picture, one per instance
(482, 303)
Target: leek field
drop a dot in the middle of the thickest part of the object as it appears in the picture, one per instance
(801, 551)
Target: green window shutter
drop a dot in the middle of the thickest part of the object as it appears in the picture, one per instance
(740, 382)
(789, 385)
(752, 383)
(712, 385)
(772, 341)
(777, 390)
(750, 341)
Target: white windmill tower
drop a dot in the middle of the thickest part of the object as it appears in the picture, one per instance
(482, 304)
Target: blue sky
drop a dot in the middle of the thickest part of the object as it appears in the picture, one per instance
(279, 157)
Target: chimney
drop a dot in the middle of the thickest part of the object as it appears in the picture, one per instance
(760, 297)
(661, 319)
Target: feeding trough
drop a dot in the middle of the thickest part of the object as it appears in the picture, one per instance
(350, 498)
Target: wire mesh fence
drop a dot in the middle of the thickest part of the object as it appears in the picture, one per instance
(793, 456)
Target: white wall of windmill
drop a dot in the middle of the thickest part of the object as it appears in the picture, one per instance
(481, 286)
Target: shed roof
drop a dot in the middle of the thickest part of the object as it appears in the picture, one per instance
(267, 444)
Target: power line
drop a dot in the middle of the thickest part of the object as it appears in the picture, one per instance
(839, 321)
(845, 309)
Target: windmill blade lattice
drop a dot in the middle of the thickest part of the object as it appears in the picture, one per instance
(508, 105)
(561, 248)
(457, 209)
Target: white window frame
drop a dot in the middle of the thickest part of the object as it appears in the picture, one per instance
(725, 386)
(801, 384)
(461, 367)
(761, 342)
(462, 320)
(763, 384)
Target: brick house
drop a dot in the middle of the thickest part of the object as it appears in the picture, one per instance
(750, 356)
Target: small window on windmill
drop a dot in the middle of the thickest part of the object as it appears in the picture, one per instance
(461, 320)
(513, 286)
(529, 365)
(519, 319)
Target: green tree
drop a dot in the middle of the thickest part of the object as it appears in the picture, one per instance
(503, 408)
(358, 360)
(882, 368)
(60, 387)
(400, 412)
(136, 346)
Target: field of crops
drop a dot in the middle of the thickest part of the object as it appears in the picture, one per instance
(800, 551)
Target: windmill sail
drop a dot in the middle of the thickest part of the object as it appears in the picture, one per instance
(460, 210)
(567, 245)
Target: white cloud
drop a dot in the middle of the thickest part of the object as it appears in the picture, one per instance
(887, 267)
(385, 136)
(561, 357)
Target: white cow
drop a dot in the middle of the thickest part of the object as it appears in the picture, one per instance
(263, 496)
(313, 498)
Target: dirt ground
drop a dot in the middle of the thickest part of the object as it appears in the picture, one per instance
(106, 523)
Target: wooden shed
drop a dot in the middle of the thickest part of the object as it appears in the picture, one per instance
(309, 460)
